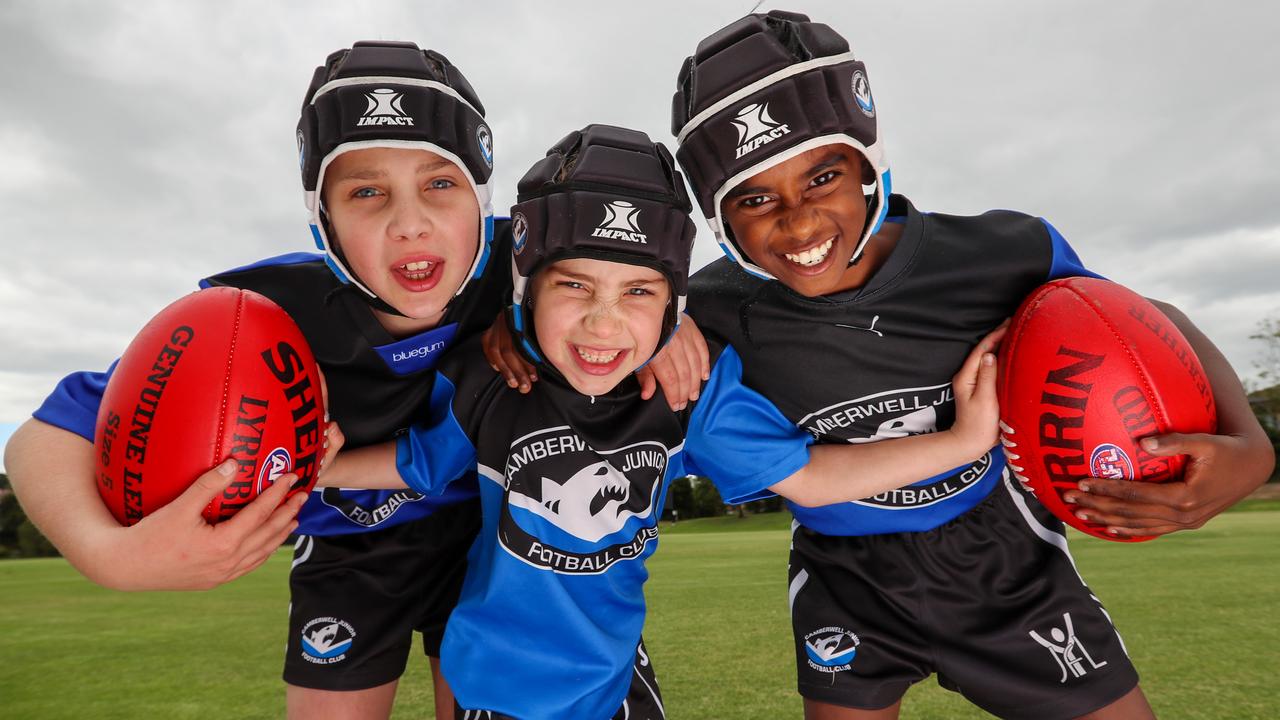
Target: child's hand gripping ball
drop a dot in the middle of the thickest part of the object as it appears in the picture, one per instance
(1087, 370)
(220, 373)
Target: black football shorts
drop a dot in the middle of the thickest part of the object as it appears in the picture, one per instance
(990, 601)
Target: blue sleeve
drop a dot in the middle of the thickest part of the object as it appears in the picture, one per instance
(433, 454)
(1066, 263)
(73, 404)
(739, 439)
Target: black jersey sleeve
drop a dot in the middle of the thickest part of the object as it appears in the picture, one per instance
(739, 439)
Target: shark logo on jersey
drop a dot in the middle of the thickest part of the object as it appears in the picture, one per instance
(755, 128)
(384, 109)
(897, 414)
(621, 222)
(574, 509)
(368, 508)
(589, 505)
(831, 649)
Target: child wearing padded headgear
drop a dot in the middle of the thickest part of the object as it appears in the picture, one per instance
(573, 474)
(850, 310)
(396, 161)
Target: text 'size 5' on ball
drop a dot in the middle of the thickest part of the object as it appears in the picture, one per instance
(1087, 370)
(221, 373)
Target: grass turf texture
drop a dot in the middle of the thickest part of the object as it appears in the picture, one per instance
(1197, 611)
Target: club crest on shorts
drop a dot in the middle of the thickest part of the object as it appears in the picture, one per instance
(574, 509)
(326, 640)
(895, 414)
(831, 649)
(1067, 650)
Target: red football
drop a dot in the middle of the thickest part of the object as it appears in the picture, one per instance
(1087, 370)
(220, 373)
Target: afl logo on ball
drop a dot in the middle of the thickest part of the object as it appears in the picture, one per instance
(1109, 461)
(274, 465)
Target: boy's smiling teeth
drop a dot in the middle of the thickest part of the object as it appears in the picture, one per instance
(419, 270)
(813, 255)
(597, 358)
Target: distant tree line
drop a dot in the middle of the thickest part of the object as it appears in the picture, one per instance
(18, 536)
(695, 497)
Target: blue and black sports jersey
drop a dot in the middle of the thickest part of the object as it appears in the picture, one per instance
(378, 385)
(571, 490)
(876, 363)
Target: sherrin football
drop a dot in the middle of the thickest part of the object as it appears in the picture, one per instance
(221, 373)
(1088, 369)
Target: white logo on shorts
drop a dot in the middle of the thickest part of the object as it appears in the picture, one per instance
(326, 640)
(1067, 650)
(831, 649)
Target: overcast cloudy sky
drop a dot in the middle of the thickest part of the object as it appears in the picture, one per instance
(148, 144)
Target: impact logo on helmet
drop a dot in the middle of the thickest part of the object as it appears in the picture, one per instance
(519, 232)
(755, 128)
(621, 222)
(862, 94)
(384, 109)
(276, 464)
(302, 150)
(485, 140)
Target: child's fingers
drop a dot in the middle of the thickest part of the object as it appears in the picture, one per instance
(648, 383)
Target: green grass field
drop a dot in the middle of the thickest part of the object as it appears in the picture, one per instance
(1197, 610)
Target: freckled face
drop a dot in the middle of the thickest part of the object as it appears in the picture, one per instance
(598, 321)
(801, 220)
(408, 223)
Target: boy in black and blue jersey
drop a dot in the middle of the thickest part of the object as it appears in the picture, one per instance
(396, 160)
(850, 310)
(573, 474)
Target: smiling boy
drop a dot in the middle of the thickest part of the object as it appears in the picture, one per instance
(574, 473)
(850, 309)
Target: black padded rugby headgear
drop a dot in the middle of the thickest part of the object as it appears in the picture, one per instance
(392, 94)
(761, 91)
(607, 193)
